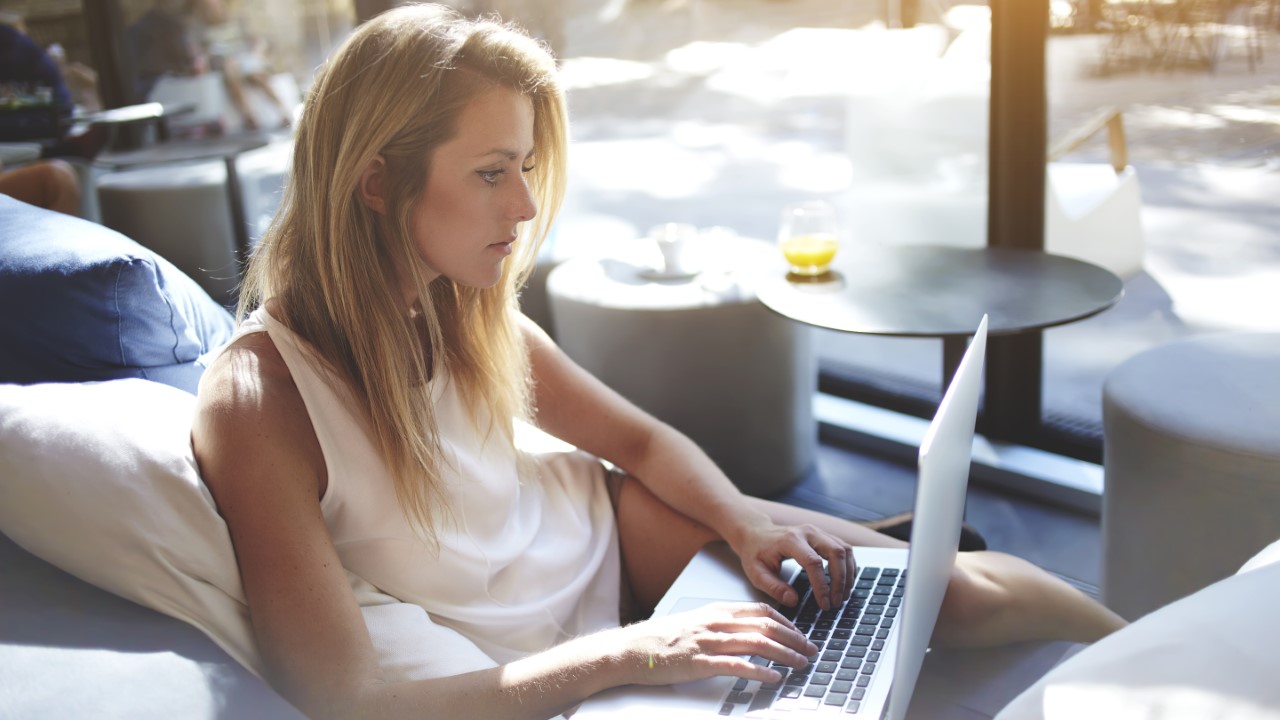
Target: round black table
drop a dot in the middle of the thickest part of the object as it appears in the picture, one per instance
(929, 291)
(227, 149)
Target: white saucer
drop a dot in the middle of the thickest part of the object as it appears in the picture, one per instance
(682, 273)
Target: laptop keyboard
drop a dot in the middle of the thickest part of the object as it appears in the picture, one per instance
(850, 640)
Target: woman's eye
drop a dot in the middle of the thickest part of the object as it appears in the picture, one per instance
(528, 168)
(490, 176)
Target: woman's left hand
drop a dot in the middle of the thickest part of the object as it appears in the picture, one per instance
(764, 545)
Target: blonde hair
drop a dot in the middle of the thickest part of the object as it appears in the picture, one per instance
(395, 89)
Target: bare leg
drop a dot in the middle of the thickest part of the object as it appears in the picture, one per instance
(263, 83)
(235, 90)
(993, 598)
(50, 184)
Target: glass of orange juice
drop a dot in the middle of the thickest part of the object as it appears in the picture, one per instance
(807, 235)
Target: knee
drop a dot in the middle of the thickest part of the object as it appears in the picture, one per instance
(975, 598)
(60, 174)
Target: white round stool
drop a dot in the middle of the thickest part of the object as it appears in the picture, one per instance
(1192, 466)
(701, 354)
(180, 211)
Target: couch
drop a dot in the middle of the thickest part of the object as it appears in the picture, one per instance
(84, 303)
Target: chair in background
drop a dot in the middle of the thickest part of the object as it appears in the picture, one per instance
(1093, 210)
(919, 155)
(208, 93)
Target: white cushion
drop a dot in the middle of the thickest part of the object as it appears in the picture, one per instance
(1212, 654)
(100, 480)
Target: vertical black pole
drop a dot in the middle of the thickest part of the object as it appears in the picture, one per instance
(1017, 141)
(104, 20)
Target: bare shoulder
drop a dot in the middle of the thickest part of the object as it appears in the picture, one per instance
(250, 417)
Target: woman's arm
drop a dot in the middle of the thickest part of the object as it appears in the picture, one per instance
(579, 409)
(259, 456)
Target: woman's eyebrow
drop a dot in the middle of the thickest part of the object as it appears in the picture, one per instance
(508, 154)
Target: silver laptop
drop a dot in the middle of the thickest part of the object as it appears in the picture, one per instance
(871, 650)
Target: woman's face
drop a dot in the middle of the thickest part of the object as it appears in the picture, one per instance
(465, 222)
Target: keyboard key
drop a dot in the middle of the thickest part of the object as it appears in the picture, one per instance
(832, 655)
(852, 707)
(870, 572)
(863, 681)
(849, 674)
(877, 645)
(762, 700)
(873, 657)
(815, 691)
(840, 644)
(893, 572)
(739, 698)
(827, 667)
(835, 699)
(842, 634)
(863, 641)
(866, 630)
(886, 623)
(841, 686)
(851, 663)
(882, 633)
(891, 612)
(858, 693)
(741, 684)
(868, 668)
(820, 679)
(790, 691)
(726, 708)
(895, 602)
(855, 652)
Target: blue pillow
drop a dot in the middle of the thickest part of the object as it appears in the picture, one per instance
(79, 302)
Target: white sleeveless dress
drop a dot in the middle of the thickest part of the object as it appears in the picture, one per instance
(523, 564)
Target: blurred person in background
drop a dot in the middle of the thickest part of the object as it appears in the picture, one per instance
(241, 58)
(35, 103)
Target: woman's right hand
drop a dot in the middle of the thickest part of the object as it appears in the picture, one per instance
(709, 641)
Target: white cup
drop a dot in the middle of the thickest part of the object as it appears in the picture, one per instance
(672, 240)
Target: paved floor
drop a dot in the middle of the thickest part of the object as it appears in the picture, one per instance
(717, 112)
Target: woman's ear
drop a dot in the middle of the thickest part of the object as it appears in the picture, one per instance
(373, 184)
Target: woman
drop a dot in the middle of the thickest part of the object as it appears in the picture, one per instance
(359, 428)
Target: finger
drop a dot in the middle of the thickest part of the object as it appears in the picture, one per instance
(735, 666)
(851, 563)
(769, 583)
(838, 569)
(755, 643)
(812, 564)
(767, 622)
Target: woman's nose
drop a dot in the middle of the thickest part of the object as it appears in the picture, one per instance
(524, 207)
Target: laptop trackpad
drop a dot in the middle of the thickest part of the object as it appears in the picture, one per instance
(693, 603)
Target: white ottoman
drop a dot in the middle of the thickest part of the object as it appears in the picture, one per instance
(1192, 466)
(702, 354)
(180, 211)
